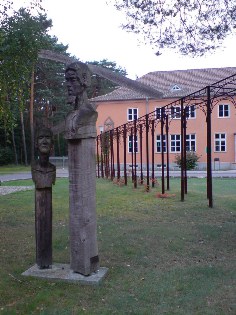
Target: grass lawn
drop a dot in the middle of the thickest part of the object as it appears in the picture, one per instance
(10, 169)
(164, 256)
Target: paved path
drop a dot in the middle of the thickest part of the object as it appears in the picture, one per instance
(64, 173)
(27, 175)
(5, 190)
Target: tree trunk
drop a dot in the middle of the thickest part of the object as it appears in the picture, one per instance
(31, 112)
(5, 135)
(59, 144)
(14, 146)
(23, 137)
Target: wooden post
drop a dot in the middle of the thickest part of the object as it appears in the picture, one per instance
(43, 175)
(182, 150)
(118, 152)
(97, 162)
(162, 151)
(147, 150)
(135, 149)
(209, 154)
(43, 227)
(82, 198)
(153, 156)
(167, 152)
(112, 154)
(141, 152)
(125, 146)
(81, 135)
(185, 153)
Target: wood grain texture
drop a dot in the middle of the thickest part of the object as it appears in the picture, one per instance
(43, 227)
(82, 188)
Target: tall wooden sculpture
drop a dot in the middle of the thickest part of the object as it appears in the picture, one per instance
(43, 175)
(80, 131)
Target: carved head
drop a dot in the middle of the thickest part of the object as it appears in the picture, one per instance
(44, 140)
(78, 78)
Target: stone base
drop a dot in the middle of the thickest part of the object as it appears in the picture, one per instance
(64, 273)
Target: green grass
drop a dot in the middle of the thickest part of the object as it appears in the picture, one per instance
(164, 256)
(11, 169)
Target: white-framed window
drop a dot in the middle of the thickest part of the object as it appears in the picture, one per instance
(175, 112)
(220, 142)
(158, 143)
(132, 114)
(175, 143)
(160, 165)
(158, 112)
(175, 88)
(132, 144)
(190, 111)
(191, 142)
(223, 110)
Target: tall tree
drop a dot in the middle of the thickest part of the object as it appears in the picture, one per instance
(23, 35)
(7, 6)
(189, 26)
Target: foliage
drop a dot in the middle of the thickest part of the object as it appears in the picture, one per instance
(106, 149)
(164, 256)
(22, 35)
(191, 26)
(6, 155)
(105, 142)
(7, 6)
(191, 160)
(50, 93)
(99, 85)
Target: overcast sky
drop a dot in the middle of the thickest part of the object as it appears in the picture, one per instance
(92, 30)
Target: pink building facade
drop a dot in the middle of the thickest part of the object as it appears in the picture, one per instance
(124, 106)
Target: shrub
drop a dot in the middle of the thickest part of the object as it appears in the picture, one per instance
(191, 160)
(6, 156)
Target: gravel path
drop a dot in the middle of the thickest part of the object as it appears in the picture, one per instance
(5, 190)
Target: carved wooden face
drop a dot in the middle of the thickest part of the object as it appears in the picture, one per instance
(44, 142)
(74, 85)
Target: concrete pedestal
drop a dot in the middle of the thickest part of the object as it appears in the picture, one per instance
(63, 272)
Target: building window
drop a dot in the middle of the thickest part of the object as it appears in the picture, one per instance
(223, 110)
(175, 143)
(175, 112)
(191, 142)
(132, 114)
(220, 142)
(158, 144)
(109, 124)
(133, 144)
(190, 111)
(158, 112)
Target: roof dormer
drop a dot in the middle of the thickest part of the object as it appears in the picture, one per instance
(175, 88)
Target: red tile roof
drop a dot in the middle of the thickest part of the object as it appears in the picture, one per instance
(188, 81)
